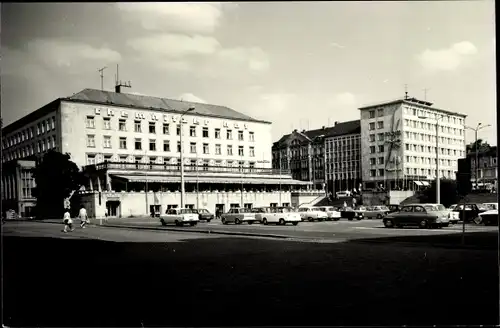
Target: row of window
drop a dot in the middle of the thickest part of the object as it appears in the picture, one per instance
(433, 115)
(432, 127)
(91, 143)
(380, 125)
(380, 112)
(430, 149)
(432, 138)
(153, 160)
(417, 160)
(29, 133)
(122, 126)
(427, 172)
(28, 150)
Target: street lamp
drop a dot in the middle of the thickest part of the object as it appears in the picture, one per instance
(438, 184)
(190, 109)
(479, 127)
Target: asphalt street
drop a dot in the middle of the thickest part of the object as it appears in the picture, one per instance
(103, 276)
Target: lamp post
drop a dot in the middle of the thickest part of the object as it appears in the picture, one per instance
(476, 167)
(181, 157)
(438, 184)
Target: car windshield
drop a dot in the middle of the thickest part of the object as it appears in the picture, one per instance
(492, 206)
(431, 208)
(322, 209)
(440, 207)
(384, 208)
(245, 210)
(291, 209)
(185, 211)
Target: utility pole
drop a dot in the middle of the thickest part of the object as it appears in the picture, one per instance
(101, 71)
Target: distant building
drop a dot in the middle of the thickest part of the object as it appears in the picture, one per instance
(487, 171)
(18, 183)
(399, 143)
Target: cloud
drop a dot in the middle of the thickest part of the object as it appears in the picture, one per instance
(192, 98)
(336, 45)
(447, 59)
(343, 100)
(175, 16)
(254, 58)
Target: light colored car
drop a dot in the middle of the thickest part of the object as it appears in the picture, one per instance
(331, 212)
(452, 215)
(490, 216)
(179, 216)
(280, 215)
(238, 216)
(422, 215)
(378, 212)
(311, 214)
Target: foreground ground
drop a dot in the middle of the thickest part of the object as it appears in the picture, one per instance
(146, 278)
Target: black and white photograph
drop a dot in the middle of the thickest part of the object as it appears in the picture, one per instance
(249, 164)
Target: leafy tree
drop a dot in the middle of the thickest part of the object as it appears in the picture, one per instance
(448, 193)
(56, 177)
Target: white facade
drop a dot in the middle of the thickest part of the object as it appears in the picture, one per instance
(343, 161)
(399, 142)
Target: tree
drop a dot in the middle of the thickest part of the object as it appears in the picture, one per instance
(56, 177)
(448, 193)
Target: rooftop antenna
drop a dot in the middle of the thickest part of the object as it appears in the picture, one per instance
(101, 70)
(118, 82)
(425, 93)
(406, 91)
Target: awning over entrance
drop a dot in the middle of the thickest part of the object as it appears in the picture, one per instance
(418, 183)
(170, 179)
(425, 183)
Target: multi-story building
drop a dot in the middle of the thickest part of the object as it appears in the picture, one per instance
(487, 170)
(17, 187)
(328, 157)
(399, 141)
(139, 137)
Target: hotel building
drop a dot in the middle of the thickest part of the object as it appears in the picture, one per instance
(131, 144)
(399, 143)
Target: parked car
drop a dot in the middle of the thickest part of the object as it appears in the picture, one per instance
(331, 212)
(394, 208)
(490, 216)
(350, 213)
(311, 214)
(422, 215)
(471, 212)
(452, 215)
(378, 212)
(179, 216)
(204, 214)
(279, 215)
(238, 216)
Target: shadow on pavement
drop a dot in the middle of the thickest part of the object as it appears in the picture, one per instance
(244, 282)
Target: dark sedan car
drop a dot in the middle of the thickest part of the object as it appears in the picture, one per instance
(204, 214)
(422, 215)
(350, 213)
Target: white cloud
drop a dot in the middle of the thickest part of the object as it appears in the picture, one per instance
(192, 98)
(447, 59)
(175, 16)
(175, 45)
(343, 100)
(255, 59)
(336, 45)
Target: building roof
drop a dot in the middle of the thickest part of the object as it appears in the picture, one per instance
(340, 129)
(411, 101)
(163, 104)
(126, 100)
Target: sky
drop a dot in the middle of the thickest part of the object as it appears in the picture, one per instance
(300, 65)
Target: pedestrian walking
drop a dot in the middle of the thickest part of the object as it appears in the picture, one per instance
(68, 223)
(83, 217)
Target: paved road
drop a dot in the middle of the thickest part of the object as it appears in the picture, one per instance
(236, 281)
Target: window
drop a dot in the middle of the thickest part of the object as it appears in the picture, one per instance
(38, 128)
(107, 123)
(380, 137)
(31, 132)
(240, 135)
(371, 126)
(372, 161)
(192, 131)
(138, 144)
(251, 136)
(380, 112)
(166, 145)
(372, 114)
(43, 126)
(230, 150)
(205, 132)
(229, 135)
(137, 126)
(193, 147)
(123, 143)
(372, 149)
(240, 150)
(122, 125)
(53, 123)
(381, 160)
(107, 142)
(152, 127)
(90, 123)
(178, 130)
(166, 128)
(381, 149)
(90, 141)
(218, 150)
(373, 173)
(217, 133)
(178, 146)
(380, 124)
(205, 148)
(380, 172)
(90, 159)
(152, 145)
(372, 137)
(252, 151)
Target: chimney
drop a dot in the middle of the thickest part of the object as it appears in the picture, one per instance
(336, 122)
(324, 127)
(117, 88)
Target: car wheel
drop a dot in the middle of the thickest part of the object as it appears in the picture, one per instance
(177, 223)
(388, 223)
(423, 224)
(445, 225)
(379, 216)
(237, 221)
(250, 222)
(295, 223)
(336, 219)
(282, 222)
(478, 220)
(163, 223)
(264, 221)
(350, 219)
(192, 224)
(208, 220)
(320, 220)
(310, 219)
(223, 220)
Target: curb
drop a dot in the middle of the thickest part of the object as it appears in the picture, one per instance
(450, 246)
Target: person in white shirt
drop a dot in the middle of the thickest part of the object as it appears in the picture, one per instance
(83, 217)
(68, 223)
